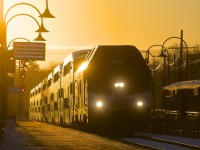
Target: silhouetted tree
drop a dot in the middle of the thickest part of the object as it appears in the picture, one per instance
(33, 76)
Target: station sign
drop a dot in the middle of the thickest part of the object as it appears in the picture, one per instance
(14, 90)
(29, 50)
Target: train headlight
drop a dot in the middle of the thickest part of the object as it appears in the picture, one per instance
(139, 103)
(119, 84)
(99, 104)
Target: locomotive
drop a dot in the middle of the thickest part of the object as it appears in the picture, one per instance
(107, 87)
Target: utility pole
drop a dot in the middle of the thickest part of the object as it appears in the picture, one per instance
(181, 57)
(1, 64)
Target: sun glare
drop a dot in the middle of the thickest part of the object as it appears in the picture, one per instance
(6, 6)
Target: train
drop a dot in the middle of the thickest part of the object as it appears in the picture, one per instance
(182, 100)
(107, 87)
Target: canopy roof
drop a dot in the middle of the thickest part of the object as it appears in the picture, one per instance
(183, 85)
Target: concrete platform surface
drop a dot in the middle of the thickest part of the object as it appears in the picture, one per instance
(32, 135)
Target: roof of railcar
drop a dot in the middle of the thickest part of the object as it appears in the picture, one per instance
(32, 90)
(74, 55)
(58, 68)
(50, 75)
(183, 85)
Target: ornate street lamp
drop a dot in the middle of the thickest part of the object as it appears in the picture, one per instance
(42, 28)
(180, 62)
(46, 13)
(4, 48)
(18, 38)
(39, 38)
(147, 59)
(162, 54)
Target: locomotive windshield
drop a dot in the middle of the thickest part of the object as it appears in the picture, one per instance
(110, 64)
(124, 58)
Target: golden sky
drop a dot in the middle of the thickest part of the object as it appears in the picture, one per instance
(83, 23)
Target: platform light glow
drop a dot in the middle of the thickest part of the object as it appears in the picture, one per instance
(119, 84)
(139, 103)
(99, 104)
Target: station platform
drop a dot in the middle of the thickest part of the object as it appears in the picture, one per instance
(31, 135)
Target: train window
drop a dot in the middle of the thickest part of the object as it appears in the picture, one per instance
(85, 94)
(67, 68)
(190, 92)
(46, 100)
(169, 92)
(71, 88)
(49, 83)
(52, 96)
(118, 62)
(55, 105)
(61, 92)
(66, 103)
(80, 91)
(166, 92)
(44, 87)
(196, 91)
(55, 77)
(199, 91)
(39, 90)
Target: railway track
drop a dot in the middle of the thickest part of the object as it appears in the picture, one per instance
(158, 141)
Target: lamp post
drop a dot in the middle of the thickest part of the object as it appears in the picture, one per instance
(3, 50)
(164, 55)
(180, 59)
(154, 82)
(154, 76)
(39, 38)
